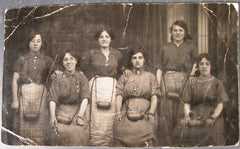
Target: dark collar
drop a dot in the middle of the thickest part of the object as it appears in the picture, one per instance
(138, 71)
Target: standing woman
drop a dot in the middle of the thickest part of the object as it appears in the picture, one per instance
(203, 98)
(68, 100)
(136, 103)
(176, 66)
(29, 91)
(102, 66)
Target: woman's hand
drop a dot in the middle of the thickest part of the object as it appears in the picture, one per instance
(150, 117)
(118, 117)
(209, 122)
(126, 71)
(57, 73)
(80, 121)
(192, 79)
(15, 106)
(53, 122)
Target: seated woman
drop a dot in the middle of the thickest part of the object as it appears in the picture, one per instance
(203, 104)
(136, 102)
(69, 94)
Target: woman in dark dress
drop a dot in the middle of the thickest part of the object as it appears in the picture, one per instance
(29, 91)
(136, 103)
(102, 66)
(68, 100)
(176, 66)
(203, 98)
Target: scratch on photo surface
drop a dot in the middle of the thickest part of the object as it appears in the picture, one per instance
(20, 23)
(128, 16)
(49, 14)
(24, 140)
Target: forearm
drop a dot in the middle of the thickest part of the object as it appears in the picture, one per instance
(118, 103)
(186, 109)
(194, 69)
(217, 111)
(83, 107)
(159, 75)
(52, 108)
(153, 105)
(15, 86)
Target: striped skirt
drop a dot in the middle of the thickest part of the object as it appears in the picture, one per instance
(32, 121)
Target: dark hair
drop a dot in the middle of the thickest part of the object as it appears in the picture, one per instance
(109, 31)
(183, 25)
(134, 50)
(73, 53)
(198, 60)
(31, 35)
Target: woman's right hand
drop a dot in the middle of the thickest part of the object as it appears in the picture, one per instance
(118, 117)
(53, 122)
(57, 73)
(15, 106)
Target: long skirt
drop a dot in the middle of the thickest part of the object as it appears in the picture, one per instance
(70, 134)
(135, 133)
(32, 121)
(171, 107)
(101, 126)
(199, 135)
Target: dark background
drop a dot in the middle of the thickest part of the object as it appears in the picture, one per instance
(148, 24)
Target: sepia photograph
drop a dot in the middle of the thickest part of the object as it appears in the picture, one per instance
(121, 75)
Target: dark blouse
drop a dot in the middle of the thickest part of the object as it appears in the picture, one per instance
(137, 84)
(33, 67)
(95, 63)
(204, 95)
(178, 58)
(69, 89)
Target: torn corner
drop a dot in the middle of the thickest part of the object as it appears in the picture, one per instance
(235, 5)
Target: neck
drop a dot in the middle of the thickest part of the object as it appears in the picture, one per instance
(105, 49)
(204, 76)
(32, 52)
(178, 43)
(138, 70)
(69, 72)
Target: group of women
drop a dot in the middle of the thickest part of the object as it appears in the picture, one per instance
(117, 103)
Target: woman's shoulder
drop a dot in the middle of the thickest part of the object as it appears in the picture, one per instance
(80, 74)
(114, 51)
(166, 45)
(150, 74)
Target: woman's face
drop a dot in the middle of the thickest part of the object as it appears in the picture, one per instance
(69, 62)
(178, 33)
(138, 60)
(104, 39)
(204, 67)
(36, 43)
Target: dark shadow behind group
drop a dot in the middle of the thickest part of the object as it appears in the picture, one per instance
(119, 102)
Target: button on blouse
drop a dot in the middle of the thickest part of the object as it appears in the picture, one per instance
(69, 89)
(33, 67)
(95, 63)
(134, 84)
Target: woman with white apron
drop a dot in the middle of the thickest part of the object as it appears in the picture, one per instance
(102, 68)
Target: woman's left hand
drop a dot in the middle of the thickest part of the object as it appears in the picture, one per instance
(150, 117)
(80, 121)
(209, 122)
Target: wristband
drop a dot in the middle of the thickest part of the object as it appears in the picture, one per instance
(150, 114)
(212, 118)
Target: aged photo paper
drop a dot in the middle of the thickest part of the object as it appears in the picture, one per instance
(121, 75)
